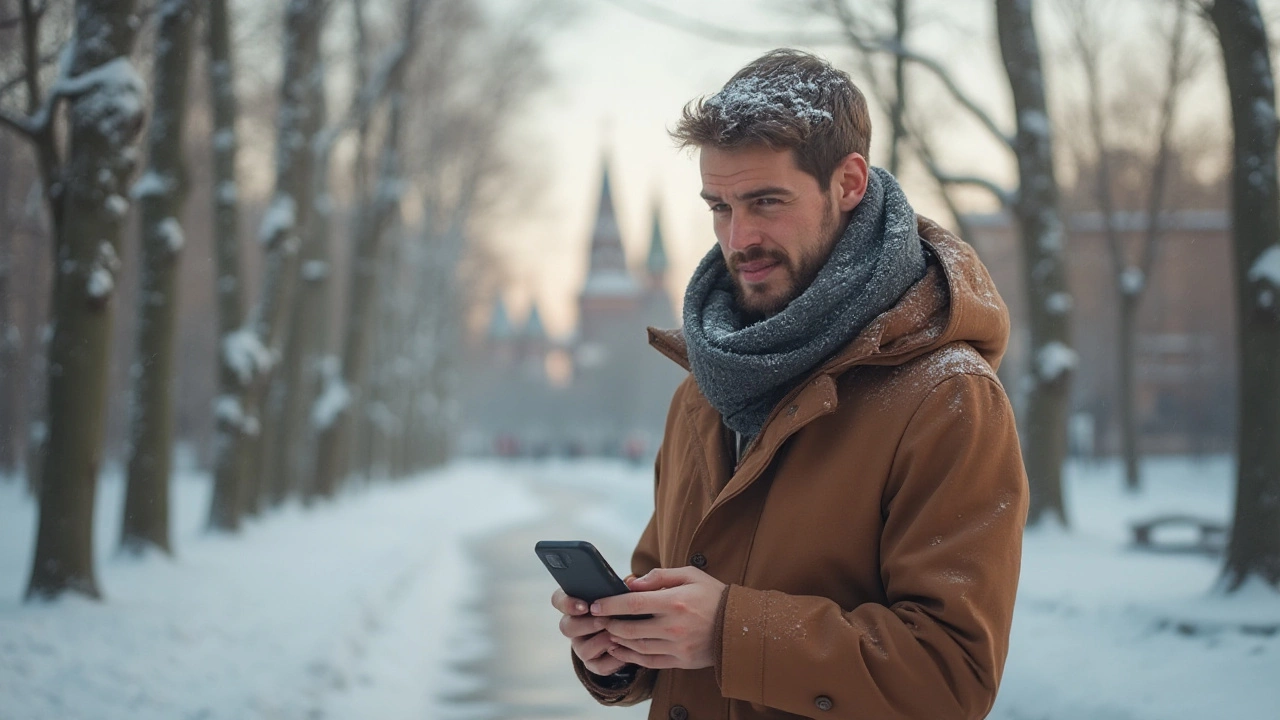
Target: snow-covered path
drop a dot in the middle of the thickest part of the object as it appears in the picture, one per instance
(423, 599)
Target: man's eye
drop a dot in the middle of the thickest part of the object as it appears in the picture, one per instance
(768, 201)
(719, 208)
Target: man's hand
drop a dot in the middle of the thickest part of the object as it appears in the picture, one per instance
(586, 635)
(683, 602)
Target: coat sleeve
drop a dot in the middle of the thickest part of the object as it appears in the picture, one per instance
(954, 507)
(643, 559)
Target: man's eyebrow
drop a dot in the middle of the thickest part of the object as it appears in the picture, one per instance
(752, 195)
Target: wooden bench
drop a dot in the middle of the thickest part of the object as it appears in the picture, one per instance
(1211, 534)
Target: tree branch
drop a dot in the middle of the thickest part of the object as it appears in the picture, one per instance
(891, 46)
(685, 23)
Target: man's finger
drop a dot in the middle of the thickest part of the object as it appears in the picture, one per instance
(652, 629)
(656, 662)
(634, 603)
(645, 646)
(591, 648)
(566, 604)
(582, 626)
(660, 578)
(605, 665)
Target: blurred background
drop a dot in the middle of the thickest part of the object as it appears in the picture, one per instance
(316, 314)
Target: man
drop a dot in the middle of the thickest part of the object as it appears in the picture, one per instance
(839, 494)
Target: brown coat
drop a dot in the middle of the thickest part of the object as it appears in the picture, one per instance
(871, 534)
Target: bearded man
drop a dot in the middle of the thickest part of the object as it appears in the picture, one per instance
(839, 495)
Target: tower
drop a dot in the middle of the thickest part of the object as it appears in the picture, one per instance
(610, 292)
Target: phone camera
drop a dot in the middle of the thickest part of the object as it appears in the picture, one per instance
(557, 561)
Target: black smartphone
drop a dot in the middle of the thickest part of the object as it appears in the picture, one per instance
(582, 571)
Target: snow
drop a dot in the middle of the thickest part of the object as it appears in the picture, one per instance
(101, 283)
(1053, 360)
(245, 354)
(279, 219)
(1267, 267)
(227, 193)
(745, 100)
(111, 96)
(345, 610)
(151, 184)
(334, 400)
(1034, 122)
(171, 232)
(1132, 280)
(117, 206)
(315, 270)
(1059, 303)
(368, 606)
(224, 139)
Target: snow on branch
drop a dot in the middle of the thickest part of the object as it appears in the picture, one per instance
(119, 87)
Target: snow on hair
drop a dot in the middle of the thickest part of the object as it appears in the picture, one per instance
(785, 99)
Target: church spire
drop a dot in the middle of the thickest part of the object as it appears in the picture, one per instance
(607, 273)
(657, 260)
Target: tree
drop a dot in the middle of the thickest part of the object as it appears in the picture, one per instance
(160, 194)
(105, 100)
(240, 353)
(1085, 19)
(253, 349)
(330, 416)
(1035, 207)
(1254, 549)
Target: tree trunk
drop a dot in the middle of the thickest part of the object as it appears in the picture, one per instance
(899, 88)
(300, 374)
(334, 421)
(146, 505)
(282, 227)
(104, 118)
(11, 438)
(232, 428)
(1039, 217)
(1254, 550)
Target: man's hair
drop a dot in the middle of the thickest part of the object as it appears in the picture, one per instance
(785, 99)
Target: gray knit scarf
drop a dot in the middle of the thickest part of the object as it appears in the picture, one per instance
(743, 369)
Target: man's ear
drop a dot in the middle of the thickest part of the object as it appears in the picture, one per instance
(850, 181)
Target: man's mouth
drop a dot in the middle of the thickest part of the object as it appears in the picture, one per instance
(757, 270)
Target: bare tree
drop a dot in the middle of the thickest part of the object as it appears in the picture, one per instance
(233, 428)
(1254, 550)
(1035, 206)
(377, 213)
(255, 346)
(105, 106)
(1085, 20)
(160, 194)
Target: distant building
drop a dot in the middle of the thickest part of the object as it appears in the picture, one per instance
(1186, 342)
(616, 394)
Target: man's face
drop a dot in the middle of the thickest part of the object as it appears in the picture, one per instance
(775, 224)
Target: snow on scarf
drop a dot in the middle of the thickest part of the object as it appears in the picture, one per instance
(743, 369)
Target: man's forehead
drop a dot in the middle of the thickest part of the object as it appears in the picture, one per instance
(739, 171)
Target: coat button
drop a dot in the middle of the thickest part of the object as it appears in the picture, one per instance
(823, 702)
(678, 713)
(698, 560)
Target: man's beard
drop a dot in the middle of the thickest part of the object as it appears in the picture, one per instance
(800, 274)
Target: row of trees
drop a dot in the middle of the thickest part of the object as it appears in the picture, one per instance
(907, 82)
(368, 231)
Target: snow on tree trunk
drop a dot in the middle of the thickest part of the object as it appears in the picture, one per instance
(146, 506)
(282, 226)
(1038, 214)
(298, 382)
(106, 104)
(332, 446)
(1254, 550)
(232, 426)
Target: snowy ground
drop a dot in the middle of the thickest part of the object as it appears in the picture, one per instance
(400, 600)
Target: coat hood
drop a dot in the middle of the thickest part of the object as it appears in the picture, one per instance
(956, 300)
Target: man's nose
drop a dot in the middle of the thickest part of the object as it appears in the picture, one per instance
(742, 233)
